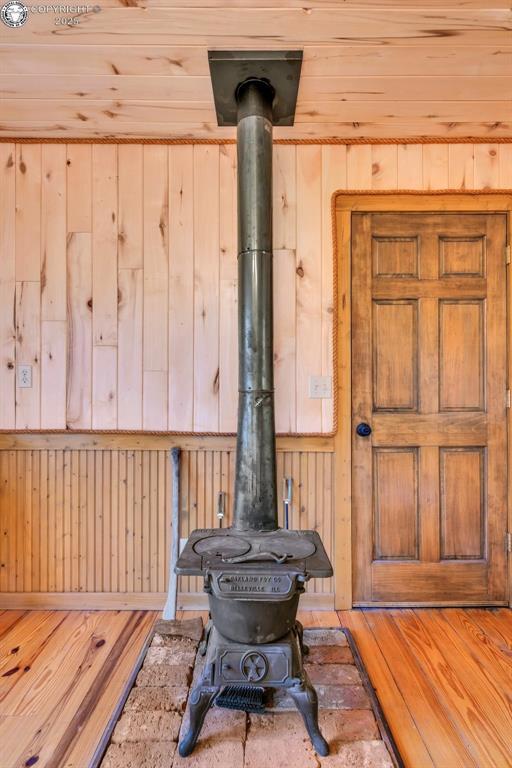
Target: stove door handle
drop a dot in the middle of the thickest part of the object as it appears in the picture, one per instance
(257, 556)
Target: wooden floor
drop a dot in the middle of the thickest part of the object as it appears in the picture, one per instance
(444, 680)
(62, 674)
(443, 677)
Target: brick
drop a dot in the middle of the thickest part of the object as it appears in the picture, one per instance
(358, 754)
(147, 726)
(160, 675)
(213, 754)
(340, 725)
(278, 740)
(329, 697)
(178, 643)
(166, 655)
(191, 628)
(333, 674)
(343, 697)
(144, 755)
(220, 724)
(324, 637)
(152, 699)
(329, 654)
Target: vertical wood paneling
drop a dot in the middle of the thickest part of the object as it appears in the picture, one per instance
(435, 166)
(79, 187)
(157, 285)
(410, 166)
(104, 244)
(384, 166)
(154, 402)
(130, 206)
(104, 287)
(487, 166)
(79, 336)
(53, 233)
(7, 287)
(359, 166)
(28, 212)
(309, 284)
(53, 373)
(130, 286)
(99, 520)
(53, 287)
(285, 285)
(334, 177)
(181, 288)
(28, 324)
(228, 290)
(506, 166)
(104, 387)
(284, 340)
(206, 297)
(461, 172)
(284, 178)
(129, 349)
(156, 293)
(44, 523)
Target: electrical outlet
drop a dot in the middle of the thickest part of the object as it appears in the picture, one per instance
(24, 376)
(320, 387)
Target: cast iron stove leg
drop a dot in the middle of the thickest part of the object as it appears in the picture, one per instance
(200, 702)
(306, 701)
(300, 633)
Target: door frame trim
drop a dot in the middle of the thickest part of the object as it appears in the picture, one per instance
(343, 204)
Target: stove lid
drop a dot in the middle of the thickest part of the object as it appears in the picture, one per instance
(297, 552)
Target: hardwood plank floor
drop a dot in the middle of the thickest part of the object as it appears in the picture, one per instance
(444, 680)
(443, 677)
(62, 674)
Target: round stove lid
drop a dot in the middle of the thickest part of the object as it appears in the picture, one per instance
(296, 547)
(222, 546)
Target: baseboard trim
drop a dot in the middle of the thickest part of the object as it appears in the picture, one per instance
(114, 601)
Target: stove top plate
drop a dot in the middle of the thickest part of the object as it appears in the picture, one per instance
(221, 546)
(226, 549)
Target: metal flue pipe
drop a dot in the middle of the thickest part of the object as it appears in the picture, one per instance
(255, 500)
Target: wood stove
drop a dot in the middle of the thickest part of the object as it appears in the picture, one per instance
(254, 572)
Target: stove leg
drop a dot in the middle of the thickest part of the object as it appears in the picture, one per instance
(300, 633)
(200, 702)
(306, 701)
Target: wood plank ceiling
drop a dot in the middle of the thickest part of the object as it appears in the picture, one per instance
(372, 68)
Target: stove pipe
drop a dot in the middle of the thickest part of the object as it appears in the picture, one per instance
(255, 500)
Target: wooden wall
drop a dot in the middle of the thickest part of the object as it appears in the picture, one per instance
(117, 283)
(118, 286)
(96, 520)
(118, 276)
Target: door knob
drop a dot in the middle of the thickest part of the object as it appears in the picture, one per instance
(363, 429)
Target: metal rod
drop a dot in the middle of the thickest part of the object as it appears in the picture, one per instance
(221, 507)
(255, 500)
(287, 499)
(169, 611)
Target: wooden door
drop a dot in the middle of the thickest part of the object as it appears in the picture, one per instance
(429, 378)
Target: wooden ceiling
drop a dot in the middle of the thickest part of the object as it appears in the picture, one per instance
(372, 68)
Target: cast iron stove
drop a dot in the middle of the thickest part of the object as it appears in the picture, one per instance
(254, 572)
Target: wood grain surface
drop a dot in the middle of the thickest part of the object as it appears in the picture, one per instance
(61, 676)
(443, 680)
(379, 69)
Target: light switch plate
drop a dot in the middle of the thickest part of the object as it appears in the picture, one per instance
(320, 387)
(24, 376)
